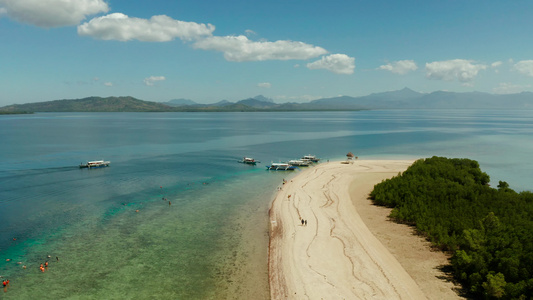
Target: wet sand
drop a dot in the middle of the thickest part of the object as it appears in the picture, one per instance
(336, 255)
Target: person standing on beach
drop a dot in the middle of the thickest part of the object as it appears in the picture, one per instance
(302, 222)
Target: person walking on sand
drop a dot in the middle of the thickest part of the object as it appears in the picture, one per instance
(305, 222)
(302, 222)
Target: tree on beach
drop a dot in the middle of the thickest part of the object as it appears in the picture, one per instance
(488, 232)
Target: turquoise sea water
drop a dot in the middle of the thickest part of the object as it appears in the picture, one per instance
(211, 242)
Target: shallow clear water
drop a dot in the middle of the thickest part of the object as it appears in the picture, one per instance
(210, 243)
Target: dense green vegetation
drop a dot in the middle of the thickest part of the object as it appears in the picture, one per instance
(91, 104)
(488, 231)
(14, 112)
(130, 104)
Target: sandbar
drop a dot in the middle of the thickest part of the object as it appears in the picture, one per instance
(333, 254)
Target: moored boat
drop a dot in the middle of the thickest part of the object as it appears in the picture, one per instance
(281, 167)
(249, 161)
(310, 157)
(300, 163)
(95, 164)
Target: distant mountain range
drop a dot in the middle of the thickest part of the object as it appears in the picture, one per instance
(408, 98)
(401, 99)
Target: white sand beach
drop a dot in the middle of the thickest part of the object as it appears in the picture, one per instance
(336, 255)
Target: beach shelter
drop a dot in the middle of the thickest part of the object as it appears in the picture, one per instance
(350, 156)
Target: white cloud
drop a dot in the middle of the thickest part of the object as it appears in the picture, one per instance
(265, 85)
(249, 32)
(400, 67)
(160, 28)
(108, 83)
(3, 11)
(509, 88)
(52, 13)
(495, 65)
(524, 67)
(118, 26)
(240, 48)
(449, 70)
(150, 81)
(336, 63)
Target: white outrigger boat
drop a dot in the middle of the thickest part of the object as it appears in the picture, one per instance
(311, 158)
(95, 164)
(300, 163)
(281, 167)
(249, 161)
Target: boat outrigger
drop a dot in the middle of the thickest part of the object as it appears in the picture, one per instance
(95, 164)
(249, 161)
(300, 163)
(311, 158)
(281, 167)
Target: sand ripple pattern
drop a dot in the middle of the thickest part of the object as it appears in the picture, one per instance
(335, 256)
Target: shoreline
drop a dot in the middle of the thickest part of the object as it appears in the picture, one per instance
(336, 255)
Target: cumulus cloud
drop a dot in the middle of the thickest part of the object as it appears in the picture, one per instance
(118, 26)
(400, 67)
(108, 83)
(524, 67)
(150, 81)
(160, 28)
(509, 88)
(240, 48)
(264, 85)
(496, 64)
(336, 63)
(249, 32)
(462, 70)
(52, 13)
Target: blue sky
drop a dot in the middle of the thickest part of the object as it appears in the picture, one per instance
(298, 51)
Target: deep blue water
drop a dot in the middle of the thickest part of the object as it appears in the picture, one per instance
(88, 219)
